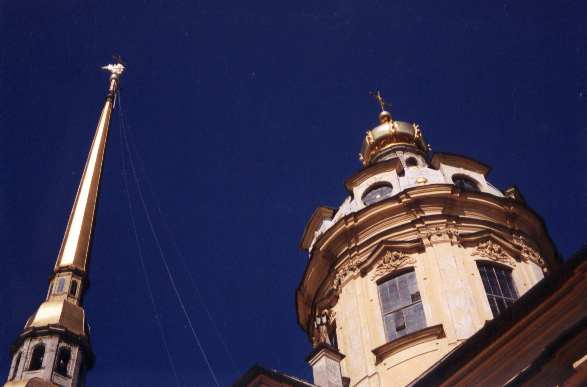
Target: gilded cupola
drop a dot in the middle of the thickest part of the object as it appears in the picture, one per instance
(390, 134)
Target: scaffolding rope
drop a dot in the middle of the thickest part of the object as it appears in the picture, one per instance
(140, 253)
(160, 249)
(185, 266)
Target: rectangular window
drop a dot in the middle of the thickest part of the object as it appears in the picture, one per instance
(401, 306)
(499, 286)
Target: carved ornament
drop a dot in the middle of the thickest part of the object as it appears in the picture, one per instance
(391, 261)
(348, 268)
(435, 233)
(493, 251)
(528, 253)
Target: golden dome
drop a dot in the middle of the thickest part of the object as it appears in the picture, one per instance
(390, 134)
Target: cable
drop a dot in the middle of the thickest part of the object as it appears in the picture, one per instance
(141, 257)
(162, 254)
(183, 260)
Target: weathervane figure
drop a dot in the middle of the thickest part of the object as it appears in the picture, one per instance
(379, 98)
(115, 69)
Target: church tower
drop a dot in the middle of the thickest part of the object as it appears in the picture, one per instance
(54, 347)
(421, 254)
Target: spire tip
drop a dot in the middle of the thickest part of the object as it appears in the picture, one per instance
(115, 69)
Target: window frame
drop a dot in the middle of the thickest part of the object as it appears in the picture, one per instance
(61, 285)
(16, 365)
(374, 187)
(411, 161)
(73, 286)
(406, 330)
(34, 356)
(492, 296)
(468, 178)
(63, 349)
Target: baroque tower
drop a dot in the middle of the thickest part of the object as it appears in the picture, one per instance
(421, 254)
(54, 347)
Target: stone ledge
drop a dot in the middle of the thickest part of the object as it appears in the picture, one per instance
(430, 333)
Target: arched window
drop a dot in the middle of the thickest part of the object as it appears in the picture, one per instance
(411, 162)
(465, 183)
(401, 305)
(499, 286)
(73, 288)
(377, 193)
(63, 361)
(37, 358)
(16, 365)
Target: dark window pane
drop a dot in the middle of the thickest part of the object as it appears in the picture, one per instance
(493, 284)
(507, 284)
(389, 323)
(73, 288)
(411, 162)
(415, 297)
(384, 299)
(493, 305)
(376, 194)
(499, 286)
(63, 357)
(403, 283)
(400, 323)
(415, 319)
(389, 296)
(37, 357)
(465, 183)
(502, 304)
(484, 278)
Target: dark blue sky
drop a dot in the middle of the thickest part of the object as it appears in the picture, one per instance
(247, 116)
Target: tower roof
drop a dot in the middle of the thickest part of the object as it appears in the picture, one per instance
(389, 134)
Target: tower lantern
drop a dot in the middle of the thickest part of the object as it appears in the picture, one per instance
(54, 347)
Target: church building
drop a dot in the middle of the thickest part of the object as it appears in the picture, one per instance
(428, 275)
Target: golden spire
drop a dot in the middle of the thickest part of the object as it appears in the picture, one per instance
(74, 249)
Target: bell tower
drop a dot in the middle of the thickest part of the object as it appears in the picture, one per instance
(422, 252)
(54, 347)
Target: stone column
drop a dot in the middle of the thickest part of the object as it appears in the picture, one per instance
(325, 363)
